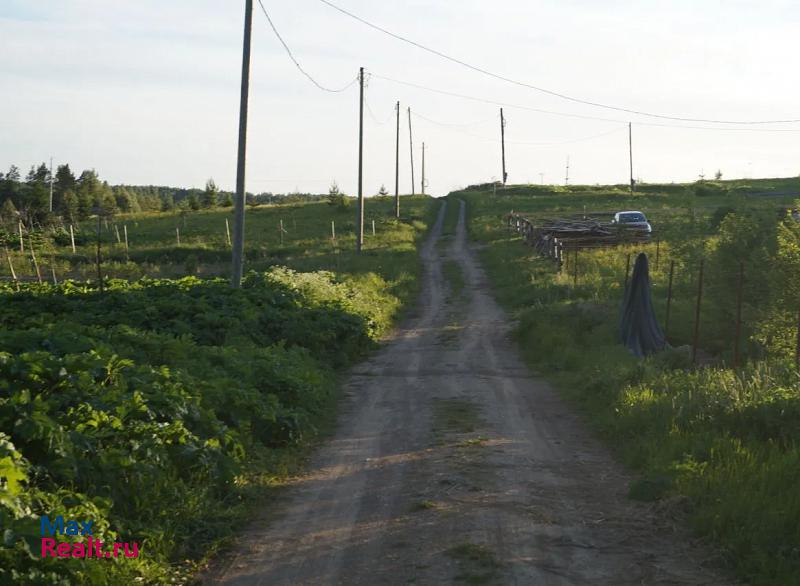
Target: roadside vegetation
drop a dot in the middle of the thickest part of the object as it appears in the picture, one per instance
(719, 444)
(162, 405)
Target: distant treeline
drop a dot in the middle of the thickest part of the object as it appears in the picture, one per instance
(78, 197)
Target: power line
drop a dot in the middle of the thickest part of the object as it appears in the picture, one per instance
(541, 89)
(296, 62)
(456, 128)
(570, 115)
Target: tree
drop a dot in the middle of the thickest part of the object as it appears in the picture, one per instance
(167, 203)
(194, 201)
(211, 194)
(8, 212)
(227, 200)
(70, 206)
(335, 197)
(13, 174)
(64, 181)
(382, 190)
(718, 175)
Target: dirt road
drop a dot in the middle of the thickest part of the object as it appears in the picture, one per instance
(452, 463)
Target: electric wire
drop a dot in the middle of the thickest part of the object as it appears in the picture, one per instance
(541, 89)
(297, 63)
(571, 115)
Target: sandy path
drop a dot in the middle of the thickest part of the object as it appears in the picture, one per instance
(452, 463)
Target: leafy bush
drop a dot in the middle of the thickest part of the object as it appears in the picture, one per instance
(139, 407)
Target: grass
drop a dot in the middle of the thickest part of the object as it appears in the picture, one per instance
(723, 440)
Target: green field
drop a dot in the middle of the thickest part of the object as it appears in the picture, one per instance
(715, 443)
(162, 408)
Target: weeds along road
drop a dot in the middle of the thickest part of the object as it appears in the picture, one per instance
(452, 463)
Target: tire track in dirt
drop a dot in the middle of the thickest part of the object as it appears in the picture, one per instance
(452, 463)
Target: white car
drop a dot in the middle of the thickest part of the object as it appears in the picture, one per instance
(634, 220)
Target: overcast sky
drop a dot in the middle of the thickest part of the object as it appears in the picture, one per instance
(146, 92)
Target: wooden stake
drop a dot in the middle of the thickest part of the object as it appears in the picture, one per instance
(696, 336)
(627, 270)
(333, 230)
(575, 269)
(53, 271)
(125, 232)
(11, 266)
(373, 227)
(72, 238)
(178, 235)
(35, 262)
(228, 231)
(21, 241)
(281, 231)
(116, 231)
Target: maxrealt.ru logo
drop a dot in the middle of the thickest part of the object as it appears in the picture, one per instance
(90, 548)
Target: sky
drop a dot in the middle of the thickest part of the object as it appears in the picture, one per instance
(147, 92)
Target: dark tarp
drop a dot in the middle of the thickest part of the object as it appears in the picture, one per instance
(639, 328)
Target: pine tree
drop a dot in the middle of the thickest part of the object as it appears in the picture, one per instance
(210, 195)
(194, 201)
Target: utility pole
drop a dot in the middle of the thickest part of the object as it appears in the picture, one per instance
(411, 144)
(238, 227)
(630, 153)
(422, 185)
(360, 218)
(566, 181)
(51, 185)
(397, 165)
(503, 144)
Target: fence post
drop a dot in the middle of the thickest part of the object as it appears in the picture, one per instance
(72, 238)
(696, 336)
(11, 266)
(575, 269)
(21, 242)
(669, 297)
(116, 231)
(228, 231)
(35, 262)
(280, 228)
(658, 251)
(373, 227)
(736, 356)
(125, 232)
(627, 270)
(333, 231)
(178, 235)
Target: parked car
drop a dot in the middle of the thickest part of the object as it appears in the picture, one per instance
(633, 220)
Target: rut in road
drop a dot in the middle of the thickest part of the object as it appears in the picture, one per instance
(452, 463)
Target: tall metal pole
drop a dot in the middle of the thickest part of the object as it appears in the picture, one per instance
(630, 154)
(503, 144)
(411, 144)
(422, 183)
(360, 218)
(238, 226)
(397, 165)
(51, 185)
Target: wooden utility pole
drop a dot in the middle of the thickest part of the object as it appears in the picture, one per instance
(397, 165)
(360, 212)
(238, 226)
(411, 145)
(503, 144)
(422, 183)
(630, 155)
